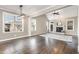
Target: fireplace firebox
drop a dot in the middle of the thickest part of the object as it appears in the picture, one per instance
(59, 29)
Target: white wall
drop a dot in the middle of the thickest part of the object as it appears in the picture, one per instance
(40, 25)
(40, 28)
(70, 13)
(78, 28)
(66, 14)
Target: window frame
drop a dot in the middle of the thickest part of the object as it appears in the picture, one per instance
(3, 21)
(33, 20)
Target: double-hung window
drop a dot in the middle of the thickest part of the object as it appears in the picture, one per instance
(12, 22)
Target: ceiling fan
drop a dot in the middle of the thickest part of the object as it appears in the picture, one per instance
(56, 13)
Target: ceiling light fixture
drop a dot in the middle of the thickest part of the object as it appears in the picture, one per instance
(21, 11)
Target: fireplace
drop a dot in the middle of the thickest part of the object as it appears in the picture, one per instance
(59, 29)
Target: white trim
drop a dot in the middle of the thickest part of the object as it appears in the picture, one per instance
(78, 29)
(3, 22)
(36, 13)
(29, 26)
(33, 22)
(50, 27)
(3, 40)
(66, 24)
(46, 10)
(22, 25)
(7, 13)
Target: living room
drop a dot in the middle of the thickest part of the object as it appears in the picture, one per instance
(41, 24)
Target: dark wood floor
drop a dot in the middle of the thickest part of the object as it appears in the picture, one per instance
(38, 45)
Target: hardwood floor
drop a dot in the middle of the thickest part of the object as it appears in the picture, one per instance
(38, 45)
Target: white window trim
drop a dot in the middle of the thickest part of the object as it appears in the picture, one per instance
(4, 25)
(31, 25)
(67, 24)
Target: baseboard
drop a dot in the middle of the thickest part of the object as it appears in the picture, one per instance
(3, 40)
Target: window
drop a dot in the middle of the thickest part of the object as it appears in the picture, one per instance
(12, 23)
(33, 25)
(70, 24)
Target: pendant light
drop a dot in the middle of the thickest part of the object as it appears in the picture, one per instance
(21, 14)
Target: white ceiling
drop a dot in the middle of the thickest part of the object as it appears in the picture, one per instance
(70, 11)
(27, 9)
(30, 10)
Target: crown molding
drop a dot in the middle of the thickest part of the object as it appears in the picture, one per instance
(47, 10)
(9, 10)
(37, 13)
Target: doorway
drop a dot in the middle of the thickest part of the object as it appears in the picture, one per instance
(51, 26)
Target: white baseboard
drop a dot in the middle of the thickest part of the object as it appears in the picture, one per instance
(2, 40)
